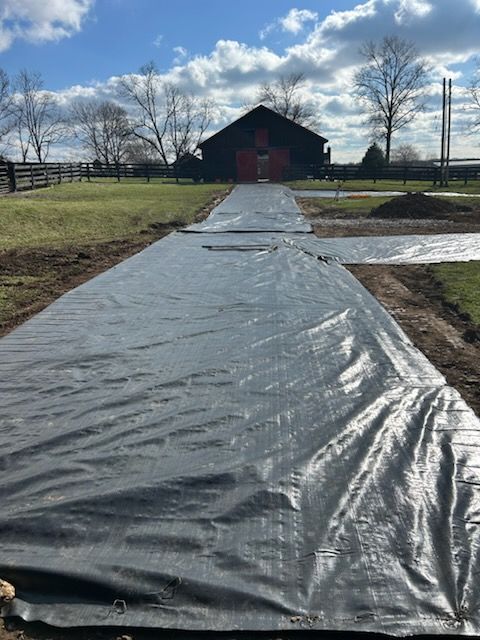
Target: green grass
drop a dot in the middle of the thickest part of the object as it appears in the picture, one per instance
(461, 286)
(386, 185)
(89, 212)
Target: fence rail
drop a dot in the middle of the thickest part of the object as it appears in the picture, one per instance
(21, 176)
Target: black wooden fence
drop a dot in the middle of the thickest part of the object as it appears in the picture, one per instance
(21, 176)
(145, 171)
(346, 172)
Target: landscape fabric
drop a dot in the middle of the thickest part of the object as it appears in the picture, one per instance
(225, 432)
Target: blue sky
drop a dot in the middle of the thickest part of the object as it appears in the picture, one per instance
(224, 50)
(118, 36)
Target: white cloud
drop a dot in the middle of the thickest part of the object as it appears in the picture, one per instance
(181, 54)
(158, 40)
(409, 10)
(40, 20)
(293, 22)
(296, 18)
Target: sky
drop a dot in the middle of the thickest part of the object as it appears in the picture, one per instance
(224, 50)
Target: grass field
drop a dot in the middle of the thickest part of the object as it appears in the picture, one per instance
(386, 185)
(461, 286)
(89, 212)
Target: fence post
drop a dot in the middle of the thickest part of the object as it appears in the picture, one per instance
(59, 169)
(12, 176)
(46, 175)
(71, 172)
(118, 173)
(147, 167)
(32, 177)
(405, 173)
(88, 171)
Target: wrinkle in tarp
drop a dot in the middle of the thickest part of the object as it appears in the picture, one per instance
(219, 440)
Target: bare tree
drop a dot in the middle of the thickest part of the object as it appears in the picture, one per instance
(166, 118)
(6, 122)
(188, 121)
(38, 120)
(390, 85)
(23, 136)
(474, 89)
(405, 154)
(103, 129)
(283, 96)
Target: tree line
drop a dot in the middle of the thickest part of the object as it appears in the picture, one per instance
(164, 123)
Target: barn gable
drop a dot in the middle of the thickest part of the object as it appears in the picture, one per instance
(259, 146)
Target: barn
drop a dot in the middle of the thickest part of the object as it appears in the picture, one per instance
(261, 145)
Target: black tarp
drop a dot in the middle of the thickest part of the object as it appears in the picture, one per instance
(410, 249)
(215, 436)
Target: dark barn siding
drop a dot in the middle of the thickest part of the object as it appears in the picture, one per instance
(261, 129)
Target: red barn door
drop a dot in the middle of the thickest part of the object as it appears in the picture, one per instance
(246, 166)
(279, 158)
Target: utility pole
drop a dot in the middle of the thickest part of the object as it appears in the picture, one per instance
(449, 124)
(446, 129)
(442, 154)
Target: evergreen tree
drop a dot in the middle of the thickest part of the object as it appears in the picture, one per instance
(373, 161)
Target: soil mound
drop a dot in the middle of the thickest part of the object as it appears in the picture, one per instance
(417, 205)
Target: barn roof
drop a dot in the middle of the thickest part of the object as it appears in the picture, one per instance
(272, 114)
